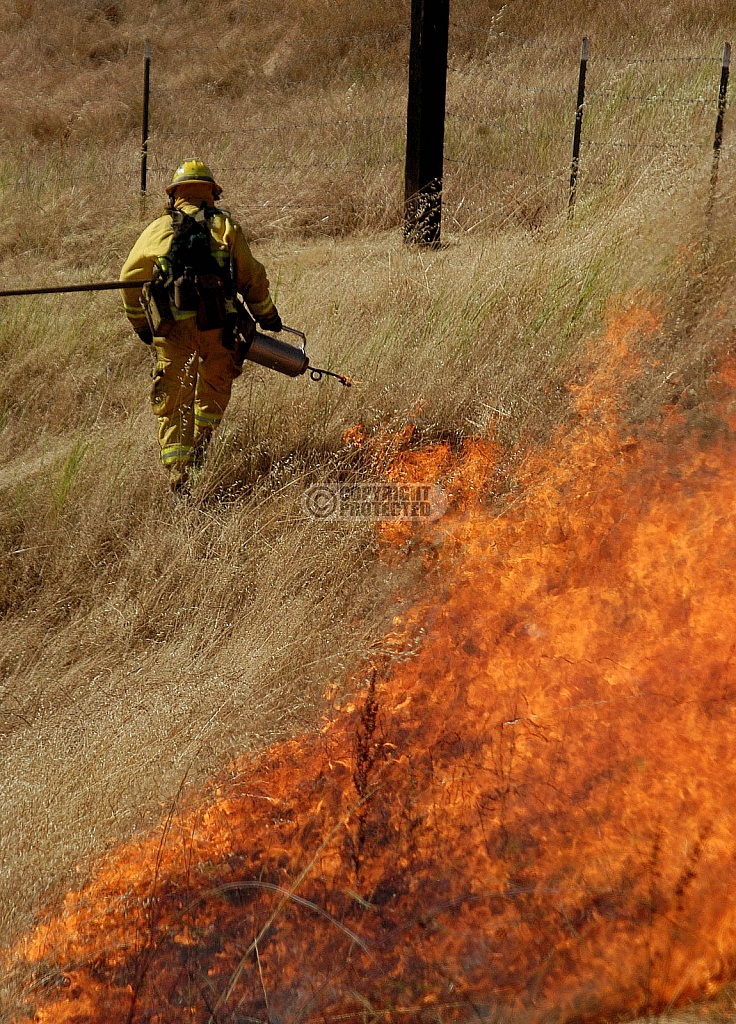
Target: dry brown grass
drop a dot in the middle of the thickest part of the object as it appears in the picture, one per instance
(140, 647)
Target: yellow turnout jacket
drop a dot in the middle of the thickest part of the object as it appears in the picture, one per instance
(228, 245)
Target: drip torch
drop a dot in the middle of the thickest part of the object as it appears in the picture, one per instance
(284, 358)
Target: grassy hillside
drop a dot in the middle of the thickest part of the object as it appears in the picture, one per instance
(142, 646)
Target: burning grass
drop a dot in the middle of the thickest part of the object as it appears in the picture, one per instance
(140, 647)
(529, 805)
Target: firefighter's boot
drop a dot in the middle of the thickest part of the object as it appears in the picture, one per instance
(179, 477)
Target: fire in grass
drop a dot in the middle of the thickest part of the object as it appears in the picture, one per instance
(532, 816)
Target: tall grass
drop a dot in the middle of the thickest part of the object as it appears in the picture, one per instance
(140, 645)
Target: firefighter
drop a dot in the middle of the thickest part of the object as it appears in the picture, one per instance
(194, 369)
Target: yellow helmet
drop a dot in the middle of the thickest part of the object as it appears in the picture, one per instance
(193, 170)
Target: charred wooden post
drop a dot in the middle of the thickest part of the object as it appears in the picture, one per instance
(425, 122)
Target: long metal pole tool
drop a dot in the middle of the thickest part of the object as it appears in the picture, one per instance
(99, 286)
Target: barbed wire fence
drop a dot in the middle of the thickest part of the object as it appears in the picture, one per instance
(521, 141)
(328, 162)
(596, 123)
(512, 148)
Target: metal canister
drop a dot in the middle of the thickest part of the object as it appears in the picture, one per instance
(277, 355)
(186, 296)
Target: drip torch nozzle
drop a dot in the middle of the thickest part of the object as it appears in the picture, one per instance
(316, 374)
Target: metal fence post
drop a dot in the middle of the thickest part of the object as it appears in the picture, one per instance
(146, 100)
(718, 140)
(425, 121)
(578, 128)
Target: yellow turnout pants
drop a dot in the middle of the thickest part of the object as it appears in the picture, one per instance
(192, 381)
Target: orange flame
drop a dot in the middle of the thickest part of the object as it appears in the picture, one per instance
(535, 811)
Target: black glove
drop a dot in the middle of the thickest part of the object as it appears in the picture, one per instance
(272, 322)
(145, 335)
